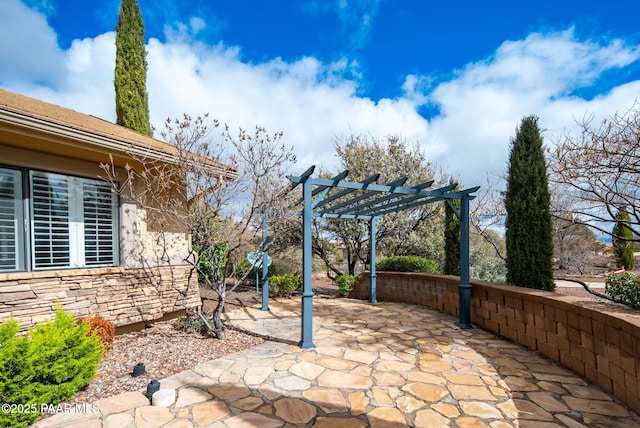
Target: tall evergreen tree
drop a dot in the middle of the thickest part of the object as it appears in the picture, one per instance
(451, 239)
(529, 237)
(623, 246)
(132, 105)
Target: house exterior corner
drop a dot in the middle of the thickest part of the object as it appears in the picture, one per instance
(68, 238)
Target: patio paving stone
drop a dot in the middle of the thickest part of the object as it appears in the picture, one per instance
(373, 365)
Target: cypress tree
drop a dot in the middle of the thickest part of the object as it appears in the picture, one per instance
(623, 246)
(529, 237)
(451, 239)
(132, 105)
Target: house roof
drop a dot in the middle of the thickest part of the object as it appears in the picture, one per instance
(40, 126)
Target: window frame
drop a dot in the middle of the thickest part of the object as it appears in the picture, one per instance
(79, 215)
(18, 207)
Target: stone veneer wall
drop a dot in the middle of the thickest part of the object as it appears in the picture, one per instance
(598, 341)
(123, 296)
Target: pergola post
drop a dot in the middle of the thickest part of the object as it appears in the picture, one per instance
(372, 258)
(307, 288)
(464, 309)
(265, 267)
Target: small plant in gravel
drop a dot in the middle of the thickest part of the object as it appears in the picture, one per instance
(407, 264)
(625, 288)
(190, 324)
(102, 328)
(345, 283)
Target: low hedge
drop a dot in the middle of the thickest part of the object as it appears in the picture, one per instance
(407, 264)
(284, 285)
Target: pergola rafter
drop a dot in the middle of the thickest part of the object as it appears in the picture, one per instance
(367, 200)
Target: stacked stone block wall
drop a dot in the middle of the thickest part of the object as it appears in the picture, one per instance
(599, 341)
(122, 296)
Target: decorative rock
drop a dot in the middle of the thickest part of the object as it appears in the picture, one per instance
(163, 398)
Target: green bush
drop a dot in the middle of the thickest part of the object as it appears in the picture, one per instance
(345, 283)
(407, 264)
(13, 376)
(204, 267)
(47, 366)
(284, 285)
(624, 287)
(243, 266)
(191, 324)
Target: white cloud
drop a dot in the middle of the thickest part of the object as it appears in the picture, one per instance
(306, 99)
(481, 107)
(28, 47)
(315, 102)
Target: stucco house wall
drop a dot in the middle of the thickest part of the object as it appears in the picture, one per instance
(39, 141)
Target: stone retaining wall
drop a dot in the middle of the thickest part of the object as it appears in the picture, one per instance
(598, 341)
(123, 296)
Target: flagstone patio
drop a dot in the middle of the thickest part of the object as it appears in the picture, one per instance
(377, 365)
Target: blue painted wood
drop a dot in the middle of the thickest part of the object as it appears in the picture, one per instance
(365, 195)
(364, 184)
(464, 308)
(380, 187)
(306, 340)
(265, 264)
(373, 298)
(393, 197)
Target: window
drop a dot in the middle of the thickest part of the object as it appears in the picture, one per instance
(72, 222)
(11, 221)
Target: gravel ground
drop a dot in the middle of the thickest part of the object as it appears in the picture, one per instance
(166, 351)
(163, 350)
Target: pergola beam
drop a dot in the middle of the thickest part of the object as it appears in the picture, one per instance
(365, 195)
(347, 190)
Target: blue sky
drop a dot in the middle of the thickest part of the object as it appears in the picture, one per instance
(454, 77)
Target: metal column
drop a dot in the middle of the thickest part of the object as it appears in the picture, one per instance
(372, 278)
(306, 340)
(265, 265)
(464, 309)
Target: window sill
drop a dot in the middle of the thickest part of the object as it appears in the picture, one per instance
(16, 276)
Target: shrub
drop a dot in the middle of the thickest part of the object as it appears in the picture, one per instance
(624, 287)
(47, 366)
(191, 324)
(623, 246)
(204, 267)
(407, 264)
(13, 356)
(345, 283)
(284, 285)
(102, 328)
(243, 266)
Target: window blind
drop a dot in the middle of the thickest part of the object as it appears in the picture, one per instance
(11, 217)
(99, 224)
(50, 220)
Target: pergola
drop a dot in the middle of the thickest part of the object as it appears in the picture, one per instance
(367, 200)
